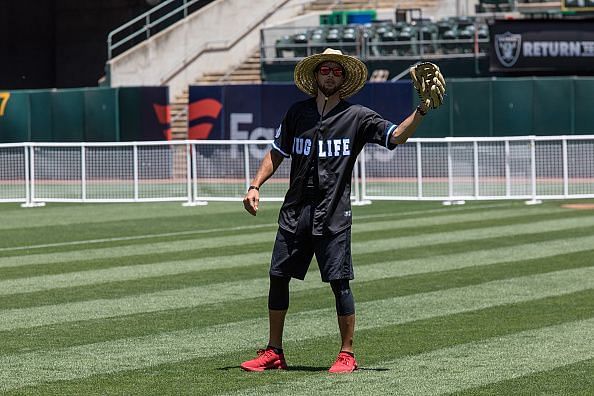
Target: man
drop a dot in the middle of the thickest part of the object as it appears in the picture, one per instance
(323, 136)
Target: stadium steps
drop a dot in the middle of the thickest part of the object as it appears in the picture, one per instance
(249, 71)
(246, 73)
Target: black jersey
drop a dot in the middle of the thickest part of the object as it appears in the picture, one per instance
(334, 145)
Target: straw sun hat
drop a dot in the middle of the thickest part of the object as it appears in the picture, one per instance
(355, 72)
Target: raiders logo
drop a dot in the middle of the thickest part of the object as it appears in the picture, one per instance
(508, 47)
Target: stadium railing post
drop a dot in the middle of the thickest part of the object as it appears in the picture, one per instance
(192, 176)
(30, 178)
(534, 200)
(361, 197)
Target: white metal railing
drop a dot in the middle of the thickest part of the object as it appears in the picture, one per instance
(445, 169)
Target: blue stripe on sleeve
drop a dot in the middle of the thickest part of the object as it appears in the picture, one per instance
(389, 130)
(279, 150)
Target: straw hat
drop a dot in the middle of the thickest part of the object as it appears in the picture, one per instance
(354, 79)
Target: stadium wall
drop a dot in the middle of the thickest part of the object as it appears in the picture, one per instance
(214, 39)
(85, 115)
(473, 107)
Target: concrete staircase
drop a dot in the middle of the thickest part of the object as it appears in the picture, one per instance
(246, 73)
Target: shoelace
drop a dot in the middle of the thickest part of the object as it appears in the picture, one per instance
(344, 360)
(265, 352)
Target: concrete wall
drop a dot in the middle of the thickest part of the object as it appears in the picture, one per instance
(171, 57)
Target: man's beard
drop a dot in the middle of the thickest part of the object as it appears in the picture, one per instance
(329, 91)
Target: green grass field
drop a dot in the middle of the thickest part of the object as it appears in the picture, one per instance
(481, 299)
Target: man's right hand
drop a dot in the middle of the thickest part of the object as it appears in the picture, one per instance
(251, 200)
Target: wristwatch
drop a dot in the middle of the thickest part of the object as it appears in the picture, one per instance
(254, 188)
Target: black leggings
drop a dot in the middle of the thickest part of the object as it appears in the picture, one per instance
(345, 303)
(278, 295)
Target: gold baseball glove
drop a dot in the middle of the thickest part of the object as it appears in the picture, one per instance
(429, 83)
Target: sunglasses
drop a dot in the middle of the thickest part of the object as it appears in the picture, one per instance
(336, 71)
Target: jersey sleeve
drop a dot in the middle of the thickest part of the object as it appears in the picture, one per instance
(375, 129)
(283, 137)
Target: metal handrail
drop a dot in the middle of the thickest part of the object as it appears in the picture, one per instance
(146, 28)
(363, 45)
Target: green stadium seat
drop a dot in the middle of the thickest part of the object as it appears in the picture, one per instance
(466, 34)
(449, 47)
(349, 43)
(300, 48)
(428, 32)
(389, 47)
(317, 43)
(283, 45)
(406, 36)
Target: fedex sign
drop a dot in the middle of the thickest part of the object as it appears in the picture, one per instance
(253, 112)
(239, 130)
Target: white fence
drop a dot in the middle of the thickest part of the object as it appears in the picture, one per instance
(450, 169)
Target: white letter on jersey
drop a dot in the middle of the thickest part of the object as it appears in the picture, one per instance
(329, 144)
(321, 152)
(345, 147)
(298, 145)
(307, 147)
(337, 144)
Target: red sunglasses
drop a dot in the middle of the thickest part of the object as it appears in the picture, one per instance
(336, 71)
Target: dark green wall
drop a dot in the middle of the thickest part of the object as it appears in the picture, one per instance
(84, 115)
(68, 115)
(513, 106)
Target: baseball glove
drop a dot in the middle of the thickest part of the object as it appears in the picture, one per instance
(429, 83)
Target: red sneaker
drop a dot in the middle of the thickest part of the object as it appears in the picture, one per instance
(345, 363)
(267, 359)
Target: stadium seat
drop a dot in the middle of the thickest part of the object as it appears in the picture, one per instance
(300, 41)
(332, 38)
(443, 26)
(466, 34)
(406, 37)
(449, 47)
(283, 45)
(317, 43)
(428, 32)
(463, 22)
(388, 47)
(349, 42)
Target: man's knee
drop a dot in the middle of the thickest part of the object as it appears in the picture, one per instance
(278, 295)
(345, 302)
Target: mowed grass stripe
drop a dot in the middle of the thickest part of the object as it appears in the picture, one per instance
(74, 214)
(105, 329)
(456, 368)
(375, 225)
(133, 353)
(570, 379)
(224, 241)
(249, 288)
(124, 273)
(221, 373)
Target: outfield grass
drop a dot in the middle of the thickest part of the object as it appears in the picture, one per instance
(485, 298)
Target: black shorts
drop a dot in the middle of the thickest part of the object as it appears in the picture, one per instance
(293, 252)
